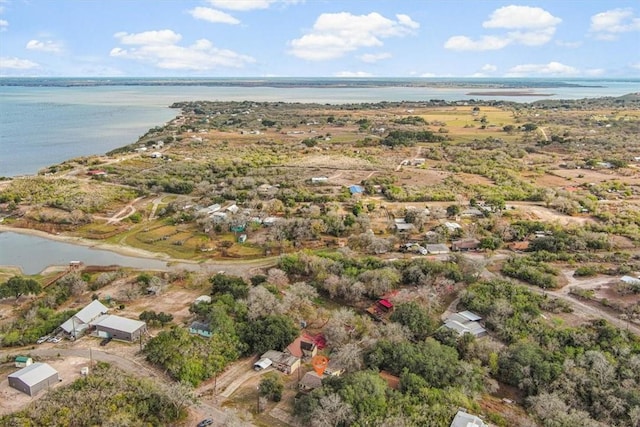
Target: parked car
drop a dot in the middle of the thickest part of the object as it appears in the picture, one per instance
(206, 422)
(105, 341)
(55, 340)
(42, 339)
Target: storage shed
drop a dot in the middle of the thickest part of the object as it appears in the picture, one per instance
(23, 361)
(34, 378)
(120, 328)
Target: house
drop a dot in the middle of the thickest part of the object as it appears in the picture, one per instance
(519, 246)
(282, 361)
(202, 298)
(80, 322)
(309, 382)
(471, 212)
(233, 208)
(200, 328)
(266, 189)
(96, 172)
(465, 322)
(333, 369)
(393, 381)
(401, 225)
(302, 348)
(269, 221)
(242, 238)
(23, 361)
(452, 226)
(463, 419)
(437, 249)
(120, 328)
(356, 190)
(34, 378)
(465, 245)
(319, 179)
(630, 280)
(381, 309)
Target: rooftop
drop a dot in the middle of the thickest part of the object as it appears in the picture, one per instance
(34, 373)
(121, 323)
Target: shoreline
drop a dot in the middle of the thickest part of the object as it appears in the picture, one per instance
(117, 249)
(211, 265)
(509, 93)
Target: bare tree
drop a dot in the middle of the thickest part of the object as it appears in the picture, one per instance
(261, 302)
(332, 411)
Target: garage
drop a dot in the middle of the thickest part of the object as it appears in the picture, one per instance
(34, 378)
(120, 328)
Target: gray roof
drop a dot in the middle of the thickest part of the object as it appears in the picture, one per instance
(84, 316)
(200, 326)
(437, 247)
(470, 315)
(33, 374)
(462, 419)
(121, 324)
(311, 380)
(280, 357)
(473, 328)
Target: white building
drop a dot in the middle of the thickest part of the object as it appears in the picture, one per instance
(80, 322)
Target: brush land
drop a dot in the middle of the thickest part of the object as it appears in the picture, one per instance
(526, 214)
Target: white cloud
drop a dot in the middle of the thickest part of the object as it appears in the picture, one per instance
(374, 57)
(243, 5)
(489, 68)
(636, 65)
(569, 45)
(521, 17)
(335, 34)
(160, 48)
(349, 74)
(532, 38)
(3, 24)
(485, 43)
(17, 63)
(213, 15)
(151, 38)
(551, 69)
(532, 26)
(44, 46)
(608, 25)
(427, 75)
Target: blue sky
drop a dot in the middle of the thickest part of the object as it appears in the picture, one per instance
(320, 38)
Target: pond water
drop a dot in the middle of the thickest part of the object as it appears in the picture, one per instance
(33, 254)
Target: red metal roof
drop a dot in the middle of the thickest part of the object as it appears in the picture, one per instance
(385, 303)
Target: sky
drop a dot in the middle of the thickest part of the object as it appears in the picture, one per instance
(320, 38)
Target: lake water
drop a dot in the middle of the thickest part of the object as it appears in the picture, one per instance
(41, 126)
(33, 254)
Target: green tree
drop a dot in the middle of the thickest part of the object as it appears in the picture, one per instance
(268, 333)
(232, 285)
(271, 386)
(453, 210)
(18, 286)
(415, 318)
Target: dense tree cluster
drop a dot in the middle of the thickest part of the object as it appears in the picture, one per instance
(107, 397)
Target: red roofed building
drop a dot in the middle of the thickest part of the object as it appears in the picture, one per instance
(302, 347)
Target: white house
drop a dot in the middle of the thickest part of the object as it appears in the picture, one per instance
(80, 322)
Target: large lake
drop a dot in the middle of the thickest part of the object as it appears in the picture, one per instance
(33, 254)
(41, 126)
